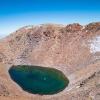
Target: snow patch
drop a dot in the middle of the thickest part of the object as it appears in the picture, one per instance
(86, 31)
(28, 27)
(83, 28)
(95, 45)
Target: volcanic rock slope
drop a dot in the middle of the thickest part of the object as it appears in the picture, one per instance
(73, 49)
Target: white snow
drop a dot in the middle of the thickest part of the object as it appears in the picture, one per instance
(83, 27)
(28, 27)
(86, 31)
(95, 45)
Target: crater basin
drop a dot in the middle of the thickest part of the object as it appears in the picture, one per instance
(39, 80)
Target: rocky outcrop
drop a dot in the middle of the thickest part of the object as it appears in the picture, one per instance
(93, 27)
(74, 27)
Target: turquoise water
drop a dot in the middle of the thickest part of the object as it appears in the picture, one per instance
(39, 80)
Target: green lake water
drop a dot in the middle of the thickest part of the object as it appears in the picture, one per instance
(39, 80)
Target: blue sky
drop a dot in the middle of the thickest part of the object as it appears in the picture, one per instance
(18, 13)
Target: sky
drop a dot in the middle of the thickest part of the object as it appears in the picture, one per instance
(15, 14)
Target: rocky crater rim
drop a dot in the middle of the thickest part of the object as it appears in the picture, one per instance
(69, 26)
